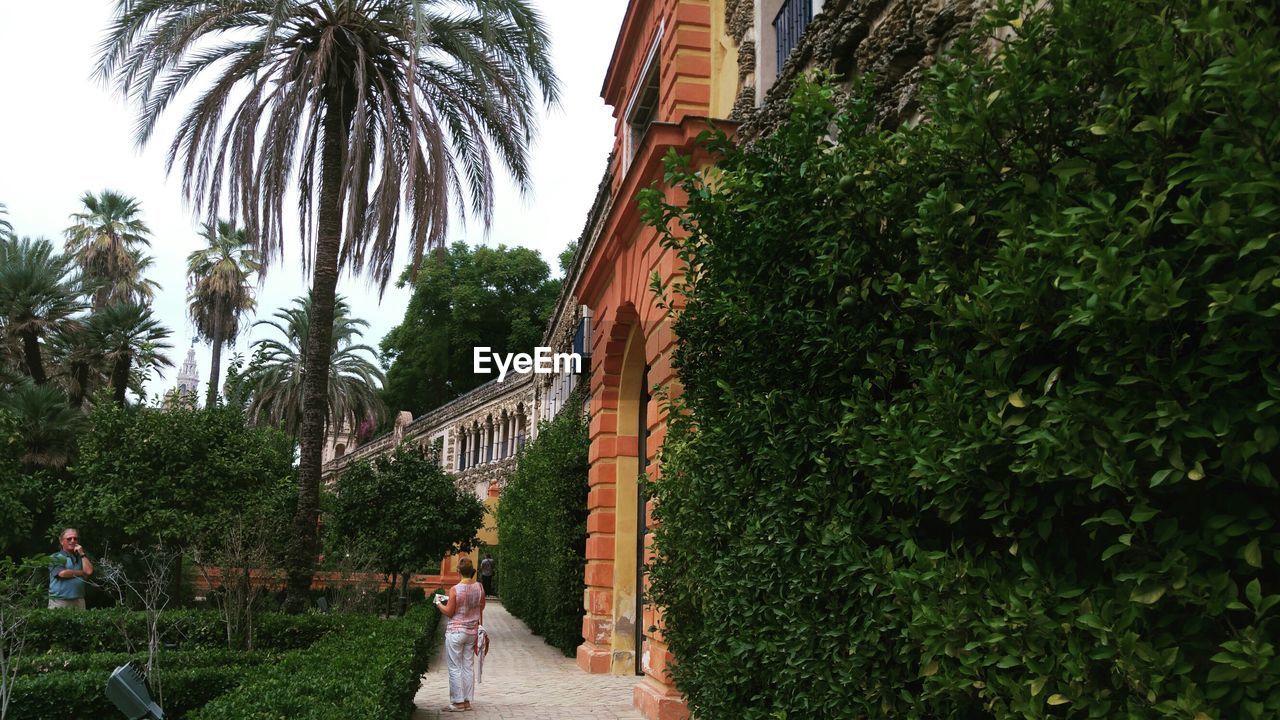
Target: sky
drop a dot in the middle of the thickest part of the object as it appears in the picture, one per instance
(63, 133)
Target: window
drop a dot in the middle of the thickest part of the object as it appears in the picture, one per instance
(788, 25)
(642, 109)
(780, 24)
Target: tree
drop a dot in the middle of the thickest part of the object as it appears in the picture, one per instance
(145, 476)
(47, 425)
(361, 108)
(218, 291)
(128, 337)
(6, 227)
(405, 510)
(464, 298)
(106, 240)
(275, 377)
(38, 291)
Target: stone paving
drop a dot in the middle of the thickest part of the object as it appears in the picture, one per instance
(525, 679)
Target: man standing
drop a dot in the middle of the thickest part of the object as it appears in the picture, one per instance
(67, 570)
(487, 566)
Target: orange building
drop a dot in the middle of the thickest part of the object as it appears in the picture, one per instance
(672, 69)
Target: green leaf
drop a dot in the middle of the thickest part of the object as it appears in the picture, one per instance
(1148, 596)
(1253, 554)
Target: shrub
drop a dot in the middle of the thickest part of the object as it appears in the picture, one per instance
(370, 671)
(81, 694)
(983, 410)
(110, 630)
(542, 523)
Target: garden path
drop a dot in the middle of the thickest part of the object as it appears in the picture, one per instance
(526, 679)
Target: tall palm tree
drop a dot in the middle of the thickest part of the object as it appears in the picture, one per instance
(129, 338)
(361, 107)
(38, 292)
(275, 376)
(106, 239)
(218, 291)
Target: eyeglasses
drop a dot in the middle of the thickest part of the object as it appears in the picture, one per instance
(72, 539)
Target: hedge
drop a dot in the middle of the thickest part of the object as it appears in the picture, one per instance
(542, 523)
(100, 630)
(369, 671)
(982, 412)
(81, 695)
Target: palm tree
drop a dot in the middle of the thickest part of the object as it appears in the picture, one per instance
(218, 291)
(38, 292)
(275, 376)
(47, 426)
(129, 336)
(6, 228)
(361, 107)
(105, 240)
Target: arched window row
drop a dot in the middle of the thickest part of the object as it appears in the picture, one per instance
(497, 437)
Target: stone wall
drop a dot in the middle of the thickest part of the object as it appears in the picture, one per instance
(894, 41)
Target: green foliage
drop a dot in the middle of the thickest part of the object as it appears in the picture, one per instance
(404, 510)
(542, 521)
(464, 298)
(116, 630)
(983, 410)
(64, 695)
(369, 672)
(145, 476)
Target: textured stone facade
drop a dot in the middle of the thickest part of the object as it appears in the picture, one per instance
(894, 41)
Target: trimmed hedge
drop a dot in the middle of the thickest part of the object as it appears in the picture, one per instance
(984, 410)
(81, 694)
(99, 630)
(542, 524)
(369, 671)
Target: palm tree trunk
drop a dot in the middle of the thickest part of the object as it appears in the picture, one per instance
(31, 352)
(215, 362)
(302, 548)
(120, 380)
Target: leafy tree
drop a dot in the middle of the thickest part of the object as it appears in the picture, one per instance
(145, 476)
(38, 292)
(106, 239)
(542, 520)
(404, 510)
(275, 376)
(218, 291)
(464, 298)
(130, 339)
(47, 425)
(363, 109)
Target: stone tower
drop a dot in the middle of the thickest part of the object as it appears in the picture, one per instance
(188, 388)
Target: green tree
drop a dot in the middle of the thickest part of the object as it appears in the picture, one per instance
(405, 511)
(6, 227)
(38, 293)
(275, 376)
(218, 291)
(145, 476)
(464, 298)
(542, 521)
(47, 425)
(106, 239)
(131, 341)
(363, 109)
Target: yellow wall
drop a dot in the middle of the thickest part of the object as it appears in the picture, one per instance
(724, 64)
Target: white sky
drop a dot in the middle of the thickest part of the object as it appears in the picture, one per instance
(62, 133)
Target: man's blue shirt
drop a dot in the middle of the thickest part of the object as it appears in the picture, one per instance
(65, 588)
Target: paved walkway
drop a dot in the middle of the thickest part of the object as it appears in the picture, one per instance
(527, 679)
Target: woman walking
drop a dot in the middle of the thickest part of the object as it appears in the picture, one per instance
(465, 610)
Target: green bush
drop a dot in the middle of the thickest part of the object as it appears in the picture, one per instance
(369, 671)
(111, 630)
(81, 695)
(542, 524)
(984, 410)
